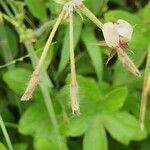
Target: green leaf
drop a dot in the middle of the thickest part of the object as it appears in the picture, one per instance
(146, 31)
(5, 112)
(45, 144)
(132, 103)
(60, 1)
(20, 146)
(95, 5)
(122, 76)
(120, 14)
(17, 79)
(95, 136)
(65, 49)
(114, 100)
(89, 95)
(37, 8)
(2, 147)
(35, 121)
(146, 12)
(123, 127)
(144, 145)
(9, 43)
(55, 6)
(118, 2)
(137, 45)
(89, 40)
(75, 126)
(104, 87)
(82, 68)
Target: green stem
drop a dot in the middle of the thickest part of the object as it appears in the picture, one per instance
(36, 74)
(44, 86)
(74, 95)
(5, 133)
(12, 6)
(51, 112)
(11, 125)
(44, 27)
(90, 15)
(49, 41)
(5, 7)
(71, 44)
(146, 88)
(12, 21)
(7, 54)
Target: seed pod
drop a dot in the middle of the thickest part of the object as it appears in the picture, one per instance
(74, 95)
(123, 57)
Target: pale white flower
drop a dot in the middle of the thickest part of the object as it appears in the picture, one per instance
(117, 33)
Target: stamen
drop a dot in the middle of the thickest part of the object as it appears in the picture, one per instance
(122, 44)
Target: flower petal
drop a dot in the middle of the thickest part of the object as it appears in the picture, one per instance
(124, 29)
(110, 34)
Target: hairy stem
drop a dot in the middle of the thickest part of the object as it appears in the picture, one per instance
(73, 86)
(36, 74)
(44, 27)
(44, 86)
(146, 88)
(90, 15)
(5, 7)
(45, 83)
(10, 147)
(10, 2)
(11, 20)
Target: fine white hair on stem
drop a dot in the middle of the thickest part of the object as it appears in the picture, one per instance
(36, 74)
(74, 95)
(145, 91)
(90, 15)
(123, 57)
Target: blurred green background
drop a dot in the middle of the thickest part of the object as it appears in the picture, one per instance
(109, 95)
